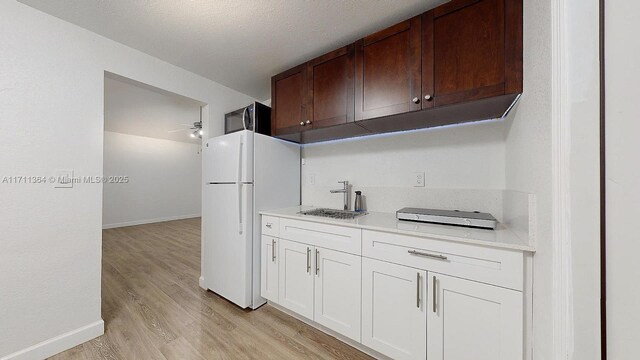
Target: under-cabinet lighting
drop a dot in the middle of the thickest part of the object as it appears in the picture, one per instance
(393, 133)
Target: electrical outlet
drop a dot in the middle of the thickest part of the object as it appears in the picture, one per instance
(312, 179)
(64, 179)
(418, 179)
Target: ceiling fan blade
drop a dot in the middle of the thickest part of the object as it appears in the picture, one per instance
(177, 130)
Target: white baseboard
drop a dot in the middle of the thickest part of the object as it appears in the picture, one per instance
(59, 343)
(149, 221)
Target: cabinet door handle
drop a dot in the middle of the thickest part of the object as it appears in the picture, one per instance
(317, 262)
(308, 122)
(269, 225)
(435, 293)
(308, 260)
(418, 290)
(424, 254)
(273, 250)
(301, 123)
(428, 97)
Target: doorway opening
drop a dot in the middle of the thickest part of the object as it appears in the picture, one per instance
(151, 212)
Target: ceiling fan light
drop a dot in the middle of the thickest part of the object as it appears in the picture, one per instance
(193, 135)
(201, 132)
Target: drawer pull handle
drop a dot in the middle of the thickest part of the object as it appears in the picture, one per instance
(424, 254)
(273, 250)
(269, 225)
(418, 300)
(435, 294)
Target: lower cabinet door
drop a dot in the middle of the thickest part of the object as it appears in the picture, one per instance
(337, 292)
(295, 277)
(471, 320)
(394, 309)
(269, 268)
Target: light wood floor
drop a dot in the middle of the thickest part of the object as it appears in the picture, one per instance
(153, 307)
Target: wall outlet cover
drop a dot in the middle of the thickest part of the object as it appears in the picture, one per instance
(418, 179)
(64, 179)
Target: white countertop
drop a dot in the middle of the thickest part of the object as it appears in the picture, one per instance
(501, 237)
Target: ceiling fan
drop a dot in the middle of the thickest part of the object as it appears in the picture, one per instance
(195, 129)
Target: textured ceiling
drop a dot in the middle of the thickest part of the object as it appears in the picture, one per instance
(238, 43)
(136, 109)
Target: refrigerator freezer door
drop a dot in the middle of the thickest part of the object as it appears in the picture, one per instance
(229, 158)
(230, 236)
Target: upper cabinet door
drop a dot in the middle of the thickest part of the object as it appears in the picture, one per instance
(477, 49)
(388, 71)
(427, 100)
(288, 98)
(331, 88)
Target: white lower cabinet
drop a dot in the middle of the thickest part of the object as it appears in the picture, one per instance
(394, 311)
(471, 320)
(269, 268)
(394, 299)
(320, 284)
(337, 292)
(295, 277)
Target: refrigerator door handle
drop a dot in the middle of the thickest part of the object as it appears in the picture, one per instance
(240, 225)
(240, 145)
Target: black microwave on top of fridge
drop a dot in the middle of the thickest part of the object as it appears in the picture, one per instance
(255, 117)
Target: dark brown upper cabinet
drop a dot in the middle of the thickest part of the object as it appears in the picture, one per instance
(288, 99)
(459, 62)
(388, 71)
(331, 88)
(427, 61)
(476, 50)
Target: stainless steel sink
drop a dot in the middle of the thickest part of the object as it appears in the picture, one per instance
(334, 214)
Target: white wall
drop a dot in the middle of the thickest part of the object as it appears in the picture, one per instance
(583, 117)
(623, 178)
(463, 165)
(164, 180)
(51, 117)
(528, 161)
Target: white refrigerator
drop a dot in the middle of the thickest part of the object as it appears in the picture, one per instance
(245, 173)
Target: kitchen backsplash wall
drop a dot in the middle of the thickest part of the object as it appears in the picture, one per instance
(463, 166)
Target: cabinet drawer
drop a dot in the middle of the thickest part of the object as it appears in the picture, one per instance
(333, 237)
(501, 267)
(270, 225)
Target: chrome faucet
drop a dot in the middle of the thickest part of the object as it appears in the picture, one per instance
(345, 191)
